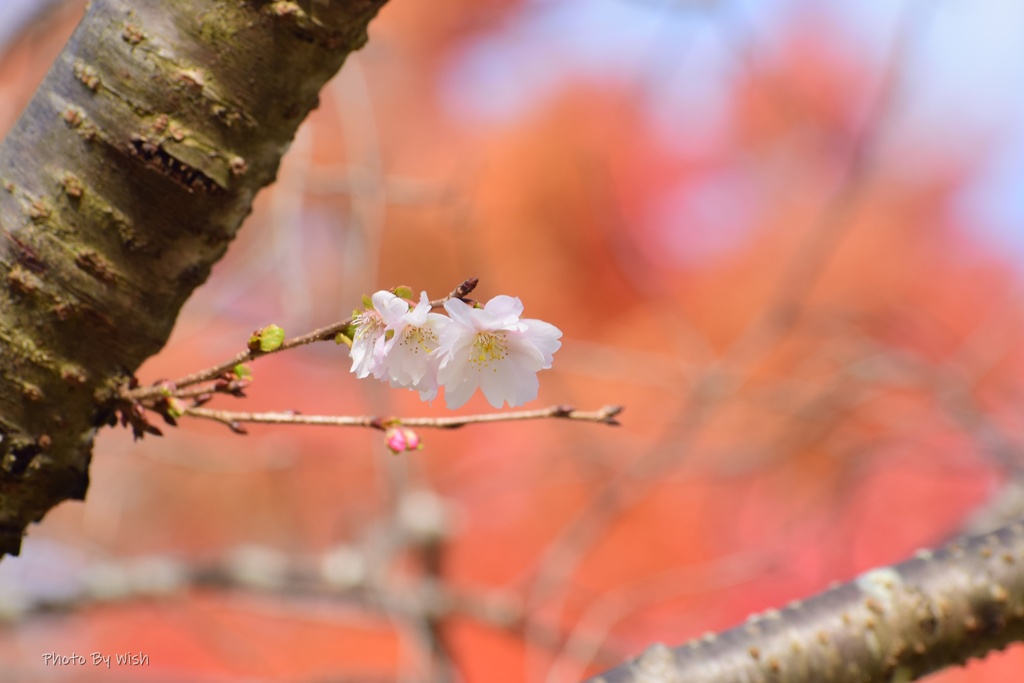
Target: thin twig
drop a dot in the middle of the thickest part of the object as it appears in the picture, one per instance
(605, 415)
(208, 390)
(323, 334)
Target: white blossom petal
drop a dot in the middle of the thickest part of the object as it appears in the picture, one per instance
(506, 309)
(409, 359)
(544, 337)
(460, 313)
(493, 349)
(368, 344)
(390, 307)
(457, 394)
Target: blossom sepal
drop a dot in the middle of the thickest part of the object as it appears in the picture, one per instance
(404, 292)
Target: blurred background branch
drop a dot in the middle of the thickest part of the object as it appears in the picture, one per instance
(786, 236)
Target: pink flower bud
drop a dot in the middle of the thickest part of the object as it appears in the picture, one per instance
(412, 439)
(400, 439)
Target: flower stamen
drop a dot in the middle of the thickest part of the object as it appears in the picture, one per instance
(488, 347)
(419, 338)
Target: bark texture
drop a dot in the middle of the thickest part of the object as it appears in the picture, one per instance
(122, 183)
(893, 624)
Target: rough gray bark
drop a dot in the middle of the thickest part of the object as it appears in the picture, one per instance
(121, 184)
(893, 624)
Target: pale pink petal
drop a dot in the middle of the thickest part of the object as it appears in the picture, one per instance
(390, 307)
(455, 362)
(497, 384)
(461, 313)
(543, 335)
(506, 309)
(524, 353)
(456, 395)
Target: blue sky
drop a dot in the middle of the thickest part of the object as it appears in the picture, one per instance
(965, 75)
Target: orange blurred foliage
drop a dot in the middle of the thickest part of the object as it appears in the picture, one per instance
(822, 387)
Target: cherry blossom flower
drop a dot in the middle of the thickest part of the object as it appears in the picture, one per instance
(367, 352)
(494, 349)
(408, 360)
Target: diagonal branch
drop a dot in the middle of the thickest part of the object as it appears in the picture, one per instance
(896, 623)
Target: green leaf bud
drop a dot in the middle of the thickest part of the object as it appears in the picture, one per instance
(268, 339)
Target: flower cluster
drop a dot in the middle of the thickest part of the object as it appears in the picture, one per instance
(492, 348)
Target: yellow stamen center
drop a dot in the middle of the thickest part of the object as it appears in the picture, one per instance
(487, 348)
(417, 338)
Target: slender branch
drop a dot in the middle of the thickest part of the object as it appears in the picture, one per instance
(323, 334)
(199, 392)
(233, 419)
(265, 570)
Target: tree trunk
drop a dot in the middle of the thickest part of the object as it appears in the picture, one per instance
(122, 183)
